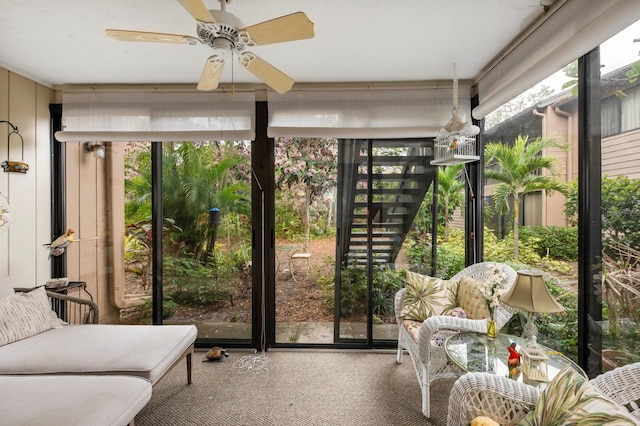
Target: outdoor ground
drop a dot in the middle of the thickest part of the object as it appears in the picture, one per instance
(299, 300)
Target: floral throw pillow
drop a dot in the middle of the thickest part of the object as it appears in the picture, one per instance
(427, 296)
(571, 400)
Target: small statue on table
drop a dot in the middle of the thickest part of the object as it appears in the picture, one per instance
(513, 363)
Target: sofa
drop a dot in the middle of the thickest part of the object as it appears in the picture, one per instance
(612, 398)
(35, 342)
(444, 307)
(72, 400)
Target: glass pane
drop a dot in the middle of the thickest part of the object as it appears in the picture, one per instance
(305, 174)
(382, 184)
(206, 235)
(531, 162)
(620, 197)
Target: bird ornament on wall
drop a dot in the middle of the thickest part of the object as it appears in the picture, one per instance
(57, 246)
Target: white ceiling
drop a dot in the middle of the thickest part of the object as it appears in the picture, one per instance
(64, 42)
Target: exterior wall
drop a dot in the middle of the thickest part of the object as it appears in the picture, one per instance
(621, 156)
(22, 258)
(88, 213)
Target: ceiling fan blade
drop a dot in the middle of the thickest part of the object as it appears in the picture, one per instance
(276, 79)
(211, 73)
(198, 10)
(296, 26)
(127, 35)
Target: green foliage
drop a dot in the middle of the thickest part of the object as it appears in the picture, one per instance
(556, 242)
(496, 250)
(620, 207)
(560, 331)
(188, 281)
(516, 168)
(145, 311)
(353, 291)
(450, 192)
(306, 168)
(196, 177)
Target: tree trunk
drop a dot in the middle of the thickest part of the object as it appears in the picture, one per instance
(446, 220)
(516, 224)
(307, 216)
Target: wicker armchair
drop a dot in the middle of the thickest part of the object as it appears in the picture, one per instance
(507, 401)
(430, 361)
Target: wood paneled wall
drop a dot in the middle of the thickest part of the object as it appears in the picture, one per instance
(25, 104)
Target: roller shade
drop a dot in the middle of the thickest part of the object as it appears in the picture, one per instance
(573, 29)
(365, 113)
(119, 116)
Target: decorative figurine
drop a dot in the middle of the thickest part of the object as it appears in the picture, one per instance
(513, 363)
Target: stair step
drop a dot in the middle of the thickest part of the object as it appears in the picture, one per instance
(379, 225)
(389, 191)
(399, 215)
(395, 160)
(411, 177)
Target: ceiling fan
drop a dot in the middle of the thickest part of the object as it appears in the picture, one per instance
(224, 32)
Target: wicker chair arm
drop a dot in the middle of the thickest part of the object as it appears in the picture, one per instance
(484, 394)
(399, 302)
(433, 324)
(622, 385)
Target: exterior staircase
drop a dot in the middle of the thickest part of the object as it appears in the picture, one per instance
(381, 186)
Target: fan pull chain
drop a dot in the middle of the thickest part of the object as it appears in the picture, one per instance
(233, 86)
(455, 92)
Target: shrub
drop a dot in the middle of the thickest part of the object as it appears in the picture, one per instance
(188, 281)
(353, 290)
(620, 204)
(555, 242)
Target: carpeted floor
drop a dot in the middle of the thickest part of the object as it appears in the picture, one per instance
(297, 388)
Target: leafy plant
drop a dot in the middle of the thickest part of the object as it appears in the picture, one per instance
(555, 242)
(516, 169)
(187, 281)
(620, 204)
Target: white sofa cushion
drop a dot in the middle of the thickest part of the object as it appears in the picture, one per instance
(24, 315)
(72, 400)
(140, 350)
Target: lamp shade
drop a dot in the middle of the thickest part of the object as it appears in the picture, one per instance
(531, 294)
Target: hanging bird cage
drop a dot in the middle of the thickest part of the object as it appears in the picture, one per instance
(456, 142)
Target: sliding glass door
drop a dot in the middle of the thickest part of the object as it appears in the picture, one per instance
(381, 187)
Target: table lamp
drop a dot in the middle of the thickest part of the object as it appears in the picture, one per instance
(530, 294)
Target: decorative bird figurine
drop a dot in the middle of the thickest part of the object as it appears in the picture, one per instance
(57, 246)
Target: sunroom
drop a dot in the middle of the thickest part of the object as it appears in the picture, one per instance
(112, 132)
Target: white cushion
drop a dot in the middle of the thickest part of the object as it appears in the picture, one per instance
(6, 289)
(24, 315)
(72, 400)
(142, 350)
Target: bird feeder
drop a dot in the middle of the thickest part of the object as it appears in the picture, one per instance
(14, 166)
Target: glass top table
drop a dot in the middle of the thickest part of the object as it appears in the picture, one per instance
(476, 352)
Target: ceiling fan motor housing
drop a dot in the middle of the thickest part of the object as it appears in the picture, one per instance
(223, 33)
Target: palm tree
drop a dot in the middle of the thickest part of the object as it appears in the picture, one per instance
(450, 196)
(518, 168)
